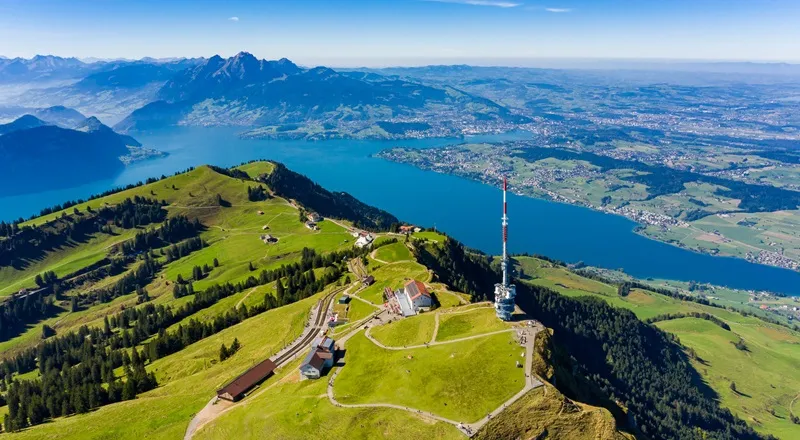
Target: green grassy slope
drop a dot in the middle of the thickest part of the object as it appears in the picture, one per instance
(393, 253)
(232, 234)
(415, 330)
(300, 409)
(284, 407)
(187, 381)
(766, 373)
(462, 381)
(472, 322)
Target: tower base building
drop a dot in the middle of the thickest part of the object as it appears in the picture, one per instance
(504, 300)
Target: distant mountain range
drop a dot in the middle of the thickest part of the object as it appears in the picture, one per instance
(51, 67)
(245, 91)
(41, 67)
(23, 123)
(44, 156)
(134, 75)
(109, 90)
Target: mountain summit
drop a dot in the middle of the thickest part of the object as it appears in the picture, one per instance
(245, 91)
(217, 76)
(93, 125)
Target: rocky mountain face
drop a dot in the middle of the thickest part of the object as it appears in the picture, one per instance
(243, 90)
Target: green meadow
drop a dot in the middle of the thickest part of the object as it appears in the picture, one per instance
(462, 381)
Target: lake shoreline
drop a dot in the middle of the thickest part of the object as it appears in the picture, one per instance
(467, 210)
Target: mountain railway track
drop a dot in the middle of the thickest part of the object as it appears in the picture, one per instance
(308, 337)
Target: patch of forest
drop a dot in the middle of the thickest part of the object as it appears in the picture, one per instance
(20, 245)
(291, 185)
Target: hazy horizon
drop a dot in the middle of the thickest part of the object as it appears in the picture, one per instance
(410, 62)
(346, 31)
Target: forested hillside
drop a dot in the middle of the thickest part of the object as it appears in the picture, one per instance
(294, 186)
(610, 357)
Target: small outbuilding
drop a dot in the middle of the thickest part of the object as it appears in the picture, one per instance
(235, 390)
(314, 217)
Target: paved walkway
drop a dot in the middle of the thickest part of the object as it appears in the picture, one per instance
(527, 337)
(428, 344)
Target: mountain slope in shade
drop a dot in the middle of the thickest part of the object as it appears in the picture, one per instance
(39, 157)
(59, 115)
(137, 74)
(94, 126)
(245, 91)
(22, 123)
(50, 157)
(218, 76)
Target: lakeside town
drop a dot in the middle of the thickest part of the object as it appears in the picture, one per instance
(579, 183)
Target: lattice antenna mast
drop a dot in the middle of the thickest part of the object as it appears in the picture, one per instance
(504, 292)
(505, 234)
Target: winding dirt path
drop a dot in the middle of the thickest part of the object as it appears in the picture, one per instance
(245, 297)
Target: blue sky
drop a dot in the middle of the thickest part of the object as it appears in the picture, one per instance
(394, 32)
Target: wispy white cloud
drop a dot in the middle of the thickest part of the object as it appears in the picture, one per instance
(233, 19)
(495, 3)
(558, 10)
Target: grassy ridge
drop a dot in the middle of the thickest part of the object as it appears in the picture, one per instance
(231, 232)
(473, 322)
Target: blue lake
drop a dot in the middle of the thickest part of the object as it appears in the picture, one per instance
(467, 210)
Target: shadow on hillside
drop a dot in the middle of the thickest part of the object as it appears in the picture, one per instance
(14, 331)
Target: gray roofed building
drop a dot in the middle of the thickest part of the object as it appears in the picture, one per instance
(319, 359)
